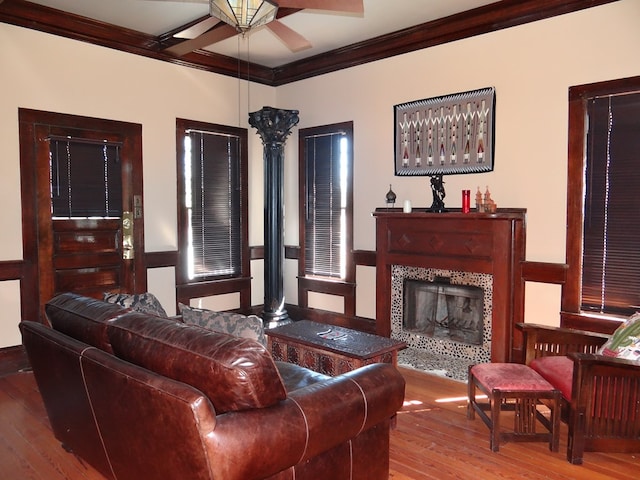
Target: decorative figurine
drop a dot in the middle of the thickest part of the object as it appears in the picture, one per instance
(437, 188)
(390, 197)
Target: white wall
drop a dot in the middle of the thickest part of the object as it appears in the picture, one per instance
(531, 66)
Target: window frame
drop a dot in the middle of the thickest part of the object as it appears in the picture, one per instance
(214, 284)
(344, 287)
(571, 313)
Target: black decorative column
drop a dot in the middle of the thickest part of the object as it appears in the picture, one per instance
(274, 125)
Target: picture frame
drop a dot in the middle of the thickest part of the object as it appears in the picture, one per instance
(450, 134)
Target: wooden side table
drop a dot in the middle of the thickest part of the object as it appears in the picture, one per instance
(330, 349)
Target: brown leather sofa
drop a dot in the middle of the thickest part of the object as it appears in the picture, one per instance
(138, 396)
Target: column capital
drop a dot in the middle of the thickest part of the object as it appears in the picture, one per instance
(273, 124)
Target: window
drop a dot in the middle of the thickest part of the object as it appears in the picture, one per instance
(611, 253)
(85, 178)
(326, 169)
(603, 243)
(212, 163)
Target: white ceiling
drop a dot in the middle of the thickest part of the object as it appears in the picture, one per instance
(325, 30)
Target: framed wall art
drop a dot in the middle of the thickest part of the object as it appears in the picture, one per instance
(445, 135)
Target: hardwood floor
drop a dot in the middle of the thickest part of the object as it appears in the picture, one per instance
(432, 440)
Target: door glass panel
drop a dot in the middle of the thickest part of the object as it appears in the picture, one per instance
(86, 179)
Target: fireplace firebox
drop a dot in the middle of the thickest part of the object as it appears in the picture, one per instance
(442, 310)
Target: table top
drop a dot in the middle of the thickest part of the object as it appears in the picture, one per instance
(345, 341)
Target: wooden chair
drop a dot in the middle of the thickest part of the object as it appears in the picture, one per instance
(601, 395)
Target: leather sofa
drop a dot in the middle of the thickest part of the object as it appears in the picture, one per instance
(139, 396)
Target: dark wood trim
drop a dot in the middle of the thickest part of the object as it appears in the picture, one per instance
(11, 270)
(257, 252)
(579, 96)
(544, 272)
(490, 18)
(161, 259)
(366, 258)
(589, 323)
(292, 252)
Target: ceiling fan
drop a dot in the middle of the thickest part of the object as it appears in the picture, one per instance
(233, 17)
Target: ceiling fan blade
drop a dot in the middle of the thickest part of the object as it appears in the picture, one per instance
(182, 1)
(198, 29)
(292, 39)
(208, 38)
(352, 6)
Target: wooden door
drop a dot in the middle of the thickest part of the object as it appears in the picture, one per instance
(83, 250)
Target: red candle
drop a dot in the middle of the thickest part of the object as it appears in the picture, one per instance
(466, 201)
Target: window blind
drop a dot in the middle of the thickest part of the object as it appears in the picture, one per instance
(325, 217)
(86, 180)
(214, 204)
(611, 249)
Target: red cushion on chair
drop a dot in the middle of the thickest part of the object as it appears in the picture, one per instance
(557, 370)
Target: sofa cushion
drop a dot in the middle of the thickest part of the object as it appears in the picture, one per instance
(558, 371)
(83, 318)
(625, 341)
(234, 324)
(234, 373)
(140, 302)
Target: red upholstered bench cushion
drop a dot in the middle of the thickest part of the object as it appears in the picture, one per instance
(509, 376)
(557, 370)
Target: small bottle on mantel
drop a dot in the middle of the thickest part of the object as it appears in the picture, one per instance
(479, 201)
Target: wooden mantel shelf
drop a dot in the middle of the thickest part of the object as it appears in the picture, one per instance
(492, 243)
(450, 213)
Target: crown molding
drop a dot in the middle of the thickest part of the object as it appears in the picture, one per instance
(486, 19)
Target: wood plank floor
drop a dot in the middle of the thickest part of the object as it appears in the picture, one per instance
(432, 440)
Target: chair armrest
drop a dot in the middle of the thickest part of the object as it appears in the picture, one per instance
(545, 340)
(605, 381)
(259, 443)
(591, 360)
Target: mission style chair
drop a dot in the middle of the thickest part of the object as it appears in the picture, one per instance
(600, 394)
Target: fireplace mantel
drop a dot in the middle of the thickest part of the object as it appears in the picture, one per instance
(492, 243)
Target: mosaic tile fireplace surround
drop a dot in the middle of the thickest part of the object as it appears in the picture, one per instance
(439, 354)
(475, 249)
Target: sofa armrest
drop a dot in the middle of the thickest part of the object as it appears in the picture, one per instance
(262, 442)
(545, 340)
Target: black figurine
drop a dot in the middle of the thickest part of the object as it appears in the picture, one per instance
(437, 188)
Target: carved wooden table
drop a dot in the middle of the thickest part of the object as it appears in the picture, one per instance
(330, 349)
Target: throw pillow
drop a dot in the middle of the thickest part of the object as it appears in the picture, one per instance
(625, 341)
(140, 302)
(225, 322)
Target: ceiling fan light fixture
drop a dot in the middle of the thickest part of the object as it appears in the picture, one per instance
(243, 14)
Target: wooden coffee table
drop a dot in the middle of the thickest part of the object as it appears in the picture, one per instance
(330, 349)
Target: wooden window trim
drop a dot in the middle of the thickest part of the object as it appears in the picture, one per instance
(571, 314)
(187, 289)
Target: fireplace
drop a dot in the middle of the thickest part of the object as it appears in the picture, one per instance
(476, 256)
